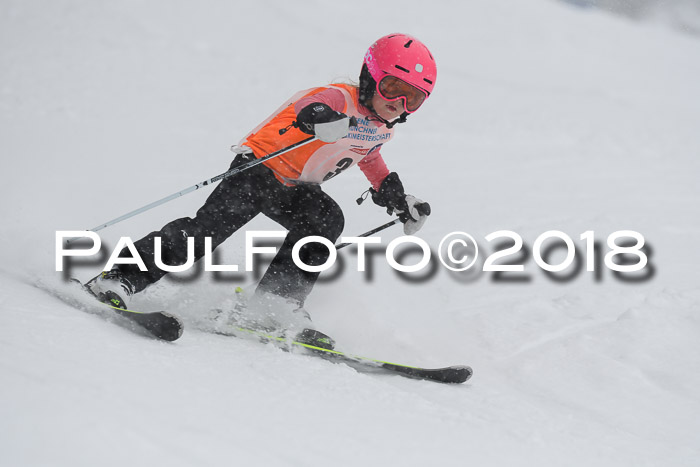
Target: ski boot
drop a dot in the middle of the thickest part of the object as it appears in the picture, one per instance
(315, 338)
(281, 316)
(112, 288)
(272, 313)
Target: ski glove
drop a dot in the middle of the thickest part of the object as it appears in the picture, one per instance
(327, 124)
(411, 211)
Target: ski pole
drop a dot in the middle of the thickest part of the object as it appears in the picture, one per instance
(423, 208)
(229, 173)
(373, 231)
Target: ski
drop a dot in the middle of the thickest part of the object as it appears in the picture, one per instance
(159, 324)
(452, 374)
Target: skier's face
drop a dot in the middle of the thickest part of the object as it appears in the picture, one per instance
(388, 110)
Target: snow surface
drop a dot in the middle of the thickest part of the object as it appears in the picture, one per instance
(544, 117)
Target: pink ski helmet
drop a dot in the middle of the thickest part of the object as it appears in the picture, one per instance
(398, 66)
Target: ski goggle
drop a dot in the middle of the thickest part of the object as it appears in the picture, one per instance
(392, 88)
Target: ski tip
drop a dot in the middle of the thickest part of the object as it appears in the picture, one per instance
(464, 373)
(174, 330)
(456, 374)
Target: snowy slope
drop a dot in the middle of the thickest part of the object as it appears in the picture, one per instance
(545, 117)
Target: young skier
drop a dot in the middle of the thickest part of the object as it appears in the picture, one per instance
(398, 75)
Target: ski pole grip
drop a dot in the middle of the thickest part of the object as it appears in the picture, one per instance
(423, 208)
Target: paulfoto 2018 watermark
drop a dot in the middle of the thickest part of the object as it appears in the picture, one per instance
(457, 251)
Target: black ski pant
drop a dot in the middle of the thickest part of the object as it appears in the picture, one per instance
(303, 210)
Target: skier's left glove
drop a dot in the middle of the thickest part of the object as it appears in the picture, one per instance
(327, 124)
(412, 211)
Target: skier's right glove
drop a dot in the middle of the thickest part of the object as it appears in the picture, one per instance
(411, 211)
(327, 124)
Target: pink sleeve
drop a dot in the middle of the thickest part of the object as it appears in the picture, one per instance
(333, 98)
(374, 168)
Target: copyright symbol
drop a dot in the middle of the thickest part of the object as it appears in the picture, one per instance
(460, 248)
